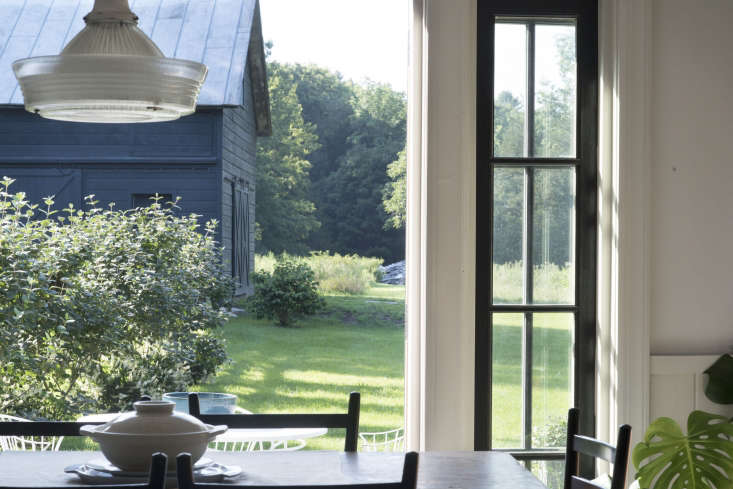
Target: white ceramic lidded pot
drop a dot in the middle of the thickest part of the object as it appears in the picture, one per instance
(129, 440)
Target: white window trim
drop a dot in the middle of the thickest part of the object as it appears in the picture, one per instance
(440, 226)
(440, 344)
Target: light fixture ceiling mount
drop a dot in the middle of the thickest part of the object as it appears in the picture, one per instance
(110, 72)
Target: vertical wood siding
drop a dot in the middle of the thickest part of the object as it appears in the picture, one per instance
(27, 138)
(239, 148)
(114, 161)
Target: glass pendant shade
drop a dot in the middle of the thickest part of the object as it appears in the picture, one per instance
(110, 72)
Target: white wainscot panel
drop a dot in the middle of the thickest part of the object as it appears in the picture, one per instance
(677, 383)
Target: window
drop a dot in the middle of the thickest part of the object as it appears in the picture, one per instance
(536, 223)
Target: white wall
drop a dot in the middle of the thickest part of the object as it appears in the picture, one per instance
(691, 252)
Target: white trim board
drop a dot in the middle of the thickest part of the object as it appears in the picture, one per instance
(677, 384)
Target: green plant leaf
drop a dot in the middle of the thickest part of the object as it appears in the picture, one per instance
(667, 459)
(720, 380)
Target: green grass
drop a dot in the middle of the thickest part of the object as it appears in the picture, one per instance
(551, 371)
(356, 345)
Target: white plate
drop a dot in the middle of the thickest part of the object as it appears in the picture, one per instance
(212, 472)
(103, 465)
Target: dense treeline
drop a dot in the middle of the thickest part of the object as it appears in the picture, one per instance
(322, 174)
(332, 176)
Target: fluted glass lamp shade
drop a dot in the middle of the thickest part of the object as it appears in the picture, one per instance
(110, 72)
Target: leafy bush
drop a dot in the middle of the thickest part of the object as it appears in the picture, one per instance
(288, 293)
(553, 433)
(100, 306)
(340, 274)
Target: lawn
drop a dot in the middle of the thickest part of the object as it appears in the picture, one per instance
(357, 344)
(551, 377)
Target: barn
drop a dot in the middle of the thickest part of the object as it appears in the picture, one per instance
(207, 159)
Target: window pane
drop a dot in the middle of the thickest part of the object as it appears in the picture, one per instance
(550, 472)
(506, 384)
(553, 236)
(510, 90)
(508, 236)
(552, 377)
(555, 91)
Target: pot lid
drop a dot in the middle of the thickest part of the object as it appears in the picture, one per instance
(153, 417)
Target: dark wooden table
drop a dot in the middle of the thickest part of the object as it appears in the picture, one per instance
(437, 470)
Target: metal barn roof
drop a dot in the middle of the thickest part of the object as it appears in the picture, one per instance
(214, 32)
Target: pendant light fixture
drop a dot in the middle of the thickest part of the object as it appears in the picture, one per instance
(110, 72)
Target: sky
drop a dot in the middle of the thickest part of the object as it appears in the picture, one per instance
(361, 39)
(510, 64)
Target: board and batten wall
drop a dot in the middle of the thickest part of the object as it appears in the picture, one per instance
(677, 387)
(691, 202)
(691, 194)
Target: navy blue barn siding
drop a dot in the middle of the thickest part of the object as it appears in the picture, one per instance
(114, 162)
(25, 137)
(238, 152)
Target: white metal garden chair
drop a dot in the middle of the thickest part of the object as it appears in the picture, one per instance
(35, 443)
(257, 445)
(383, 441)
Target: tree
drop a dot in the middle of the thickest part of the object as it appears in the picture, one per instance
(395, 193)
(352, 210)
(508, 125)
(324, 169)
(285, 214)
(327, 104)
(555, 112)
(326, 100)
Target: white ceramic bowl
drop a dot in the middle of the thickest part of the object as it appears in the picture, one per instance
(129, 440)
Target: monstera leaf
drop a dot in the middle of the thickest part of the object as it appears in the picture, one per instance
(720, 380)
(667, 459)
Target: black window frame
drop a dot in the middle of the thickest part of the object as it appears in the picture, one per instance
(585, 162)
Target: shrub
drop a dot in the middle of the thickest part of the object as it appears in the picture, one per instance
(100, 306)
(286, 294)
(339, 274)
(347, 274)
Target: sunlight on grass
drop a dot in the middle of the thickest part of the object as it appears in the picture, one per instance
(354, 346)
(551, 374)
(357, 344)
(311, 376)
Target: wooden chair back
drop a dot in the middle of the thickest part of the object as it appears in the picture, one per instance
(583, 445)
(408, 481)
(348, 421)
(158, 473)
